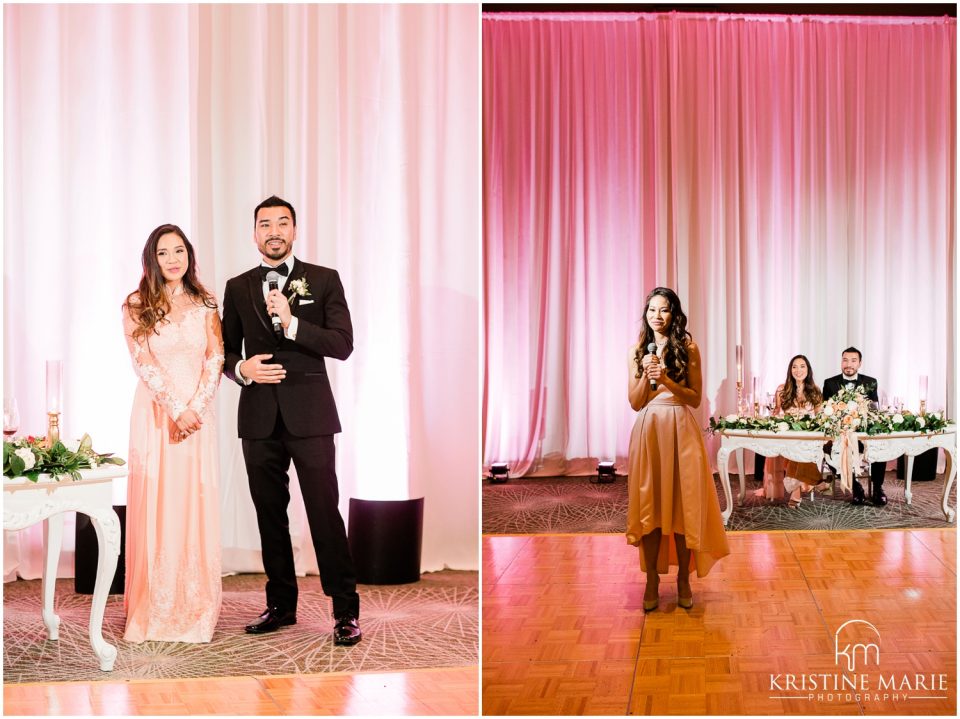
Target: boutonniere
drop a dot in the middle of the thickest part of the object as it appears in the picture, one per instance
(299, 288)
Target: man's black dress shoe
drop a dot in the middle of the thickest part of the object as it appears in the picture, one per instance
(347, 632)
(271, 620)
(879, 498)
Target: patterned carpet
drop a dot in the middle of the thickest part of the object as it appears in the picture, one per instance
(575, 505)
(430, 623)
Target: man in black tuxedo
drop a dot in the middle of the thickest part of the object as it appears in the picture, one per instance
(849, 378)
(275, 342)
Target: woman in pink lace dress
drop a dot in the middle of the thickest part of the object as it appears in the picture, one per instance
(172, 590)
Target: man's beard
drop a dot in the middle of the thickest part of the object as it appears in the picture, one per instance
(275, 254)
(849, 372)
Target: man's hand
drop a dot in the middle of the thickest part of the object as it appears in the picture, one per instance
(278, 305)
(254, 368)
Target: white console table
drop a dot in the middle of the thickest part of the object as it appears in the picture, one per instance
(25, 503)
(808, 447)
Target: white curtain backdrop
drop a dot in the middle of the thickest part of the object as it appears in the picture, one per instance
(793, 178)
(120, 118)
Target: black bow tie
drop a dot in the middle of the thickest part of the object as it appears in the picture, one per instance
(280, 269)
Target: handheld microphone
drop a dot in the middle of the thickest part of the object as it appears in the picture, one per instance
(273, 283)
(652, 349)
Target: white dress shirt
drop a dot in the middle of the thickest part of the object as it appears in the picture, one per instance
(290, 332)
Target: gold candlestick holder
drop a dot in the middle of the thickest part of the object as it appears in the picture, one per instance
(756, 410)
(923, 407)
(53, 429)
(739, 398)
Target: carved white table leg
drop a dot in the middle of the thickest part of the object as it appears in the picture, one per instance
(723, 464)
(107, 525)
(907, 493)
(951, 474)
(743, 486)
(25, 503)
(52, 540)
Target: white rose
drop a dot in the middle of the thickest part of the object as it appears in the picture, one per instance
(828, 410)
(934, 415)
(851, 406)
(855, 423)
(72, 444)
(26, 454)
(920, 422)
(782, 426)
(93, 462)
(731, 418)
(897, 418)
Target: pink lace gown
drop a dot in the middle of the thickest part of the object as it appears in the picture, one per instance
(172, 590)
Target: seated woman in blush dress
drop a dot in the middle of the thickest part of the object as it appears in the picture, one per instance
(797, 396)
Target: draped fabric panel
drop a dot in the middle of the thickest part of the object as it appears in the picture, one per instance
(118, 118)
(791, 177)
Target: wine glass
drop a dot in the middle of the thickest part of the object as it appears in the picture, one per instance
(768, 401)
(11, 418)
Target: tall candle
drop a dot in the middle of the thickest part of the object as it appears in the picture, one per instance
(54, 373)
(740, 364)
(756, 389)
(923, 388)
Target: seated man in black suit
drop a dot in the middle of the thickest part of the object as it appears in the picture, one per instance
(850, 377)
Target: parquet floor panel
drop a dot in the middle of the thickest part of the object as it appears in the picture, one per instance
(425, 692)
(564, 631)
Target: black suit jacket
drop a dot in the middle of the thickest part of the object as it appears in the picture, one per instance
(834, 384)
(304, 398)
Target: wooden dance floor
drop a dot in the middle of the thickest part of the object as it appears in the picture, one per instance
(424, 692)
(564, 631)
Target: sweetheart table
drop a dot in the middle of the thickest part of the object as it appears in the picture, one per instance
(808, 447)
(25, 503)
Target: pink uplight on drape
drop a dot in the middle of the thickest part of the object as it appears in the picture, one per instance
(791, 177)
(118, 118)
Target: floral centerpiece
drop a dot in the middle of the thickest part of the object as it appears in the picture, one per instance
(28, 457)
(848, 409)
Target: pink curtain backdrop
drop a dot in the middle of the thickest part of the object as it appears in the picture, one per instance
(792, 178)
(118, 118)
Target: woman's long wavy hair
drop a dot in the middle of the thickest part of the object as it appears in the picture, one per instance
(811, 393)
(675, 357)
(148, 305)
